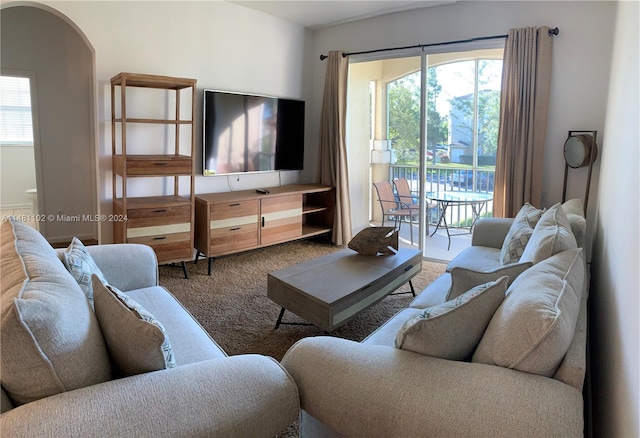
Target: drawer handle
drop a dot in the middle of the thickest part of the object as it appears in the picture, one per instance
(160, 238)
(160, 164)
(234, 229)
(162, 210)
(366, 287)
(234, 205)
(408, 268)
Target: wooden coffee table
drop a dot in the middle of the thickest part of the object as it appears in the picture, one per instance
(331, 290)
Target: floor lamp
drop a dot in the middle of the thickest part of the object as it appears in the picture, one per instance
(580, 150)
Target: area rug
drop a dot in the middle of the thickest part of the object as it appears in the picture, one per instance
(232, 303)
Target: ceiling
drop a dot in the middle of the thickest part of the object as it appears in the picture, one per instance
(317, 14)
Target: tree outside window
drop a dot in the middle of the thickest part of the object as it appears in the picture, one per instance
(462, 117)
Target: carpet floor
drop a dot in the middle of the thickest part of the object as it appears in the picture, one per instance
(232, 303)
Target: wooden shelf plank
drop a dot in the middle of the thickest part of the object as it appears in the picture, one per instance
(155, 121)
(152, 81)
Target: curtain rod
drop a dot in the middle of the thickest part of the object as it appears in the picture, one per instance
(554, 31)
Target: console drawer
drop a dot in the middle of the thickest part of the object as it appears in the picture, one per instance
(228, 212)
(231, 239)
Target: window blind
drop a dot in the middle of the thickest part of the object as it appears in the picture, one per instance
(16, 125)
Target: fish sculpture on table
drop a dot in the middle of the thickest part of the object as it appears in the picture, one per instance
(375, 241)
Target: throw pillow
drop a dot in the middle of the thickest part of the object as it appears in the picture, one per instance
(51, 341)
(81, 266)
(453, 329)
(532, 329)
(463, 279)
(551, 235)
(575, 213)
(137, 342)
(519, 234)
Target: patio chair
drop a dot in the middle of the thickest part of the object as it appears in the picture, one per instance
(392, 207)
(409, 197)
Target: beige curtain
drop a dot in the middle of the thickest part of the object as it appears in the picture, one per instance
(332, 156)
(526, 78)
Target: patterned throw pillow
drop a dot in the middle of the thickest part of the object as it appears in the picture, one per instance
(136, 340)
(453, 329)
(81, 266)
(519, 234)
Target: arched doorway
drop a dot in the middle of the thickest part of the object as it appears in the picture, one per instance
(48, 48)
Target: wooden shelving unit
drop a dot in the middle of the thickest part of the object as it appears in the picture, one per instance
(166, 221)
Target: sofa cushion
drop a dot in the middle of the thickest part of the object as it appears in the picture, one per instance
(453, 329)
(435, 293)
(463, 279)
(533, 328)
(519, 234)
(81, 266)
(137, 341)
(551, 235)
(51, 341)
(477, 258)
(386, 334)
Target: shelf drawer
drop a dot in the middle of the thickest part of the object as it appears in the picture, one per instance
(146, 217)
(168, 247)
(158, 230)
(159, 166)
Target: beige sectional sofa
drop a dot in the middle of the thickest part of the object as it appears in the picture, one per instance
(489, 349)
(80, 359)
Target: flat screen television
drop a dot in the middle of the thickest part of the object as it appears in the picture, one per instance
(251, 133)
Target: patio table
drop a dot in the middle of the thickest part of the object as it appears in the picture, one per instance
(477, 201)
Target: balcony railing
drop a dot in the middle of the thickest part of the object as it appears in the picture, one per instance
(439, 179)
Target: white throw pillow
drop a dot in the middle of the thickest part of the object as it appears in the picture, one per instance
(136, 340)
(551, 235)
(453, 329)
(519, 234)
(82, 266)
(532, 329)
(463, 279)
(575, 213)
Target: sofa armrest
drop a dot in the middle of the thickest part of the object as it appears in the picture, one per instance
(127, 266)
(490, 232)
(372, 390)
(246, 395)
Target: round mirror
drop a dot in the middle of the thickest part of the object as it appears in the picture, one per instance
(578, 150)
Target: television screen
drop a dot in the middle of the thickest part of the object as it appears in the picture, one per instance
(249, 133)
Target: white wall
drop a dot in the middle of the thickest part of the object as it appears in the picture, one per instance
(615, 286)
(18, 175)
(222, 45)
(582, 54)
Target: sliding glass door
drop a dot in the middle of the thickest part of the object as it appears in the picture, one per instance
(433, 120)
